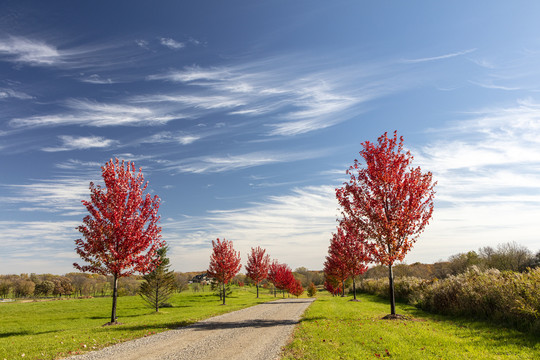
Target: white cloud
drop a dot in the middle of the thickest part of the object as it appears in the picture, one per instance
(495, 87)
(32, 52)
(187, 139)
(96, 79)
(168, 137)
(47, 239)
(91, 113)
(217, 164)
(81, 143)
(440, 57)
(203, 102)
(61, 195)
(296, 99)
(171, 43)
(142, 43)
(193, 73)
(9, 93)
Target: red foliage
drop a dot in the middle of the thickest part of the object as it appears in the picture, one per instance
(280, 275)
(347, 255)
(332, 286)
(296, 288)
(257, 266)
(336, 265)
(272, 272)
(121, 233)
(224, 261)
(388, 201)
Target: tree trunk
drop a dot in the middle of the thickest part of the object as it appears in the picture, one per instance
(354, 288)
(392, 296)
(257, 285)
(157, 296)
(223, 293)
(115, 296)
(342, 288)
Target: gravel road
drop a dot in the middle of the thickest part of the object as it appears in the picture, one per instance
(258, 332)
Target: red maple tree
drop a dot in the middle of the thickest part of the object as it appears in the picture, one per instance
(224, 263)
(390, 202)
(296, 288)
(332, 285)
(272, 274)
(355, 248)
(257, 266)
(281, 276)
(336, 265)
(121, 235)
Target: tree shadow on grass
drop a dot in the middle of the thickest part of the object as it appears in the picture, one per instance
(313, 318)
(105, 317)
(25, 333)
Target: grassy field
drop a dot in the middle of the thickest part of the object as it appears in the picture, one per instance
(55, 329)
(336, 328)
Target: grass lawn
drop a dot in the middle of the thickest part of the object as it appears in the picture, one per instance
(55, 329)
(336, 328)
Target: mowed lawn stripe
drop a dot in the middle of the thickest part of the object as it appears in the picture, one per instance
(336, 328)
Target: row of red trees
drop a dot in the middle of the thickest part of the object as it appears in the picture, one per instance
(225, 265)
(385, 206)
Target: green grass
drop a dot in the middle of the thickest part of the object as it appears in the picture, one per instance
(55, 329)
(335, 328)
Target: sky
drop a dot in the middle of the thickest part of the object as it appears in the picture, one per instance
(245, 115)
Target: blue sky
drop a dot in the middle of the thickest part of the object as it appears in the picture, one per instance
(244, 116)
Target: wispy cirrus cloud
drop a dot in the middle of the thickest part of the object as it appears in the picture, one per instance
(46, 238)
(96, 79)
(193, 73)
(13, 94)
(81, 143)
(217, 164)
(171, 43)
(61, 195)
(85, 112)
(491, 85)
(170, 137)
(33, 52)
(192, 101)
(299, 100)
(439, 57)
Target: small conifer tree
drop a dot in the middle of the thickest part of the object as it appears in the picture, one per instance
(158, 286)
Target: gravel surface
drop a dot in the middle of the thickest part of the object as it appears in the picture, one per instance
(258, 332)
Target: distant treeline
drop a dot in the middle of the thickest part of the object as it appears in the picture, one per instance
(505, 257)
(85, 285)
(509, 256)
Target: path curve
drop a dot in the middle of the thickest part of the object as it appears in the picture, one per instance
(257, 332)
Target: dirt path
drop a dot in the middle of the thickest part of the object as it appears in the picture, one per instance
(257, 332)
